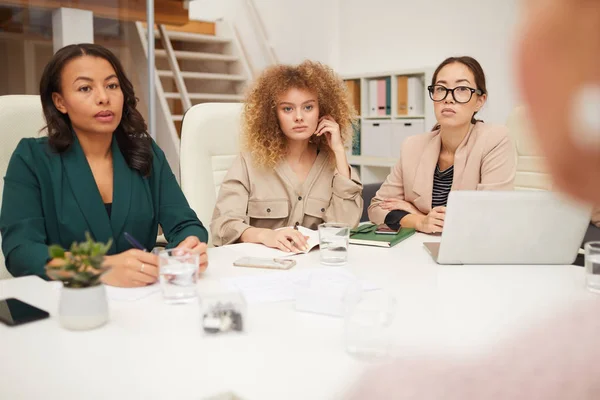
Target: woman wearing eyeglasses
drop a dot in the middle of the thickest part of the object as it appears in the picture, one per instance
(460, 153)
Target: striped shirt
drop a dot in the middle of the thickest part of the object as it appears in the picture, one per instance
(442, 182)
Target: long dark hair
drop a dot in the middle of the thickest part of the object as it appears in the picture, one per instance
(132, 132)
(475, 68)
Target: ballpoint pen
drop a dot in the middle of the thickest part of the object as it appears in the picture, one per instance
(134, 242)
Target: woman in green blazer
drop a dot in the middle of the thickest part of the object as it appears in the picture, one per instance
(97, 171)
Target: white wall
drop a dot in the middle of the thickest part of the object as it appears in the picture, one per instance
(360, 36)
(395, 34)
(297, 30)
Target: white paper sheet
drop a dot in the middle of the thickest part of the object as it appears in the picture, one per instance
(131, 294)
(277, 286)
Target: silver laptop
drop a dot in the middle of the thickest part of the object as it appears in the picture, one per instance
(520, 227)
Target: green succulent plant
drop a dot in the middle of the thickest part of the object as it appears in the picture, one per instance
(79, 267)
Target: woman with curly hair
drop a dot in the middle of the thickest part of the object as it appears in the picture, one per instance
(296, 124)
(98, 171)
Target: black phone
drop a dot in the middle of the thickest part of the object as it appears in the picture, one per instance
(383, 229)
(16, 312)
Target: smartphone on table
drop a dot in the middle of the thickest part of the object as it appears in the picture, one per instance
(15, 312)
(260, 262)
(383, 229)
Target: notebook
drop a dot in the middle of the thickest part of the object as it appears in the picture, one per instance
(313, 239)
(365, 235)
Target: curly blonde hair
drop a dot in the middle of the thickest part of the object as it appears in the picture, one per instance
(262, 135)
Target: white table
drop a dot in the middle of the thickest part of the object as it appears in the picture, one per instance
(150, 350)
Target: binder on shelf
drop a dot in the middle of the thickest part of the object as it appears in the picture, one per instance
(388, 96)
(373, 98)
(416, 95)
(381, 97)
(402, 95)
(388, 115)
(353, 87)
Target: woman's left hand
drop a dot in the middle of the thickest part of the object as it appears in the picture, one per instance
(331, 129)
(194, 244)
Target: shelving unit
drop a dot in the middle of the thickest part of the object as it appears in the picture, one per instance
(385, 123)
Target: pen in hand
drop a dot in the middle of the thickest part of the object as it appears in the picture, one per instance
(134, 242)
(296, 245)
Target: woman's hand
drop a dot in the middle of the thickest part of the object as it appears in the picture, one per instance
(331, 129)
(131, 268)
(194, 244)
(432, 222)
(286, 239)
(328, 127)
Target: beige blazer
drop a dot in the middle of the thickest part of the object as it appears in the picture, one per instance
(486, 159)
(274, 198)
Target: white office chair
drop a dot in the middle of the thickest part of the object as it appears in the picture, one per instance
(21, 116)
(209, 144)
(532, 173)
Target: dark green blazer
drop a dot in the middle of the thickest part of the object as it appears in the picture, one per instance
(52, 198)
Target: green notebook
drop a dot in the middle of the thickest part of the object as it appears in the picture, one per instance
(365, 234)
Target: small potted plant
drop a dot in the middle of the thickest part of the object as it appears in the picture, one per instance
(83, 302)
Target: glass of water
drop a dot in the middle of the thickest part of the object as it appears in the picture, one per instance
(592, 266)
(368, 324)
(333, 243)
(178, 274)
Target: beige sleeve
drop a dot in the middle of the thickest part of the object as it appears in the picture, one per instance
(499, 166)
(346, 204)
(392, 188)
(229, 218)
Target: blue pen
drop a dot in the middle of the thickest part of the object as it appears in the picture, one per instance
(133, 242)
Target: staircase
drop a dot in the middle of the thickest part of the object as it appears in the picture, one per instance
(191, 68)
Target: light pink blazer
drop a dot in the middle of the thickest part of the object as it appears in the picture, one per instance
(486, 159)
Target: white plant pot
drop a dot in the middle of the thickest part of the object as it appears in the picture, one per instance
(83, 308)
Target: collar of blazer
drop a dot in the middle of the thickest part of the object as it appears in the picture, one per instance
(86, 193)
(423, 186)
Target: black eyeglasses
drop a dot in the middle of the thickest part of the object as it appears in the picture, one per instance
(460, 94)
